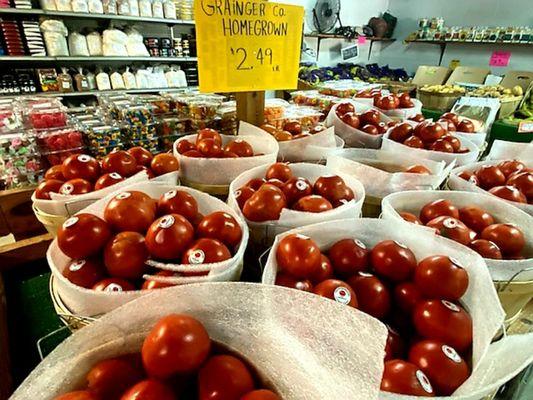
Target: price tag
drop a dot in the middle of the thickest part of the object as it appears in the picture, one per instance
(361, 40)
(500, 58)
(247, 45)
(525, 127)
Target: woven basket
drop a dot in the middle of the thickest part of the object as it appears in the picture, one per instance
(508, 106)
(514, 297)
(50, 222)
(72, 321)
(437, 101)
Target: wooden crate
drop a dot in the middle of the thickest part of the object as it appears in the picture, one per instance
(16, 214)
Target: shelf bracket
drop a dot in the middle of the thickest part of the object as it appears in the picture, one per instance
(442, 50)
(370, 49)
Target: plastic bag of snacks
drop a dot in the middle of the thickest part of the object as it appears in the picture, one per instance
(489, 176)
(265, 230)
(122, 287)
(348, 130)
(500, 269)
(503, 150)
(204, 170)
(293, 365)
(382, 172)
(478, 297)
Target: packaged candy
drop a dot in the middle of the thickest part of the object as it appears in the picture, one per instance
(64, 81)
(161, 105)
(140, 132)
(308, 117)
(100, 151)
(274, 109)
(54, 140)
(102, 135)
(136, 115)
(45, 118)
(48, 79)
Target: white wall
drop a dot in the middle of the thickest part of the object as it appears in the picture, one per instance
(458, 13)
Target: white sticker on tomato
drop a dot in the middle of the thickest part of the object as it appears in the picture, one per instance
(456, 262)
(450, 306)
(67, 188)
(359, 243)
(403, 246)
(123, 195)
(424, 381)
(365, 274)
(77, 265)
(300, 236)
(166, 222)
(115, 175)
(113, 287)
(451, 353)
(84, 158)
(342, 295)
(69, 222)
(238, 193)
(197, 257)
(301, 185)
(170, 194)
(450, 223)
(473, 180)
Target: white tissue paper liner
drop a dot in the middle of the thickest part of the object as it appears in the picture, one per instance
(477, 138)
(503, 150)
(457, 183)
(355, 137)
(221, 171)
(302, 346)
(86, 302)
(480, 299)
(319, 154)
(297, 150)
(379, 183)
(403, 113)
(500, 270)
(460, 159)
(289, 219)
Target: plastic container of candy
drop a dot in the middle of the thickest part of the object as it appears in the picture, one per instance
(103, 135)
(173, 125)
(161, 105)
(308, 117)
(344, 88)
(132, 133)
(152, 145)
(57, 157)
(102, 151)
(54, 140)
(9, 119)
(46, 118)
(274, 109)
(21, 171)
(17, 144)
(136, 115)
(313, 98)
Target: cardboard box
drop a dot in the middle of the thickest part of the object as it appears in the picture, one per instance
(517, 78)
(468, 75)
(431, 75)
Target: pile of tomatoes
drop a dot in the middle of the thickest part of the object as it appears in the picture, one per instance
(368, 121)
(263, 199)
(178, 360)
(209, 145)
(473, 227)
(81, 173)
(452, 123)
(291, 130)
(393, 102)
(427, 135)
(510, 180)
(368, 93)
(110, 254)
(430, 334)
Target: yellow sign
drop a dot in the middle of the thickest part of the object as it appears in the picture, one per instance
(247, 45)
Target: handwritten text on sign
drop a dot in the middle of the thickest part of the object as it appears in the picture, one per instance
(247, 45)
(500, 58)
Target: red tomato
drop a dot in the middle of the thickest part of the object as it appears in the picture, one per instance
(325, 271)
(454, 141)
(508, 237)
(111, 378)
(370, 129)
(141, 155)
(280, 171)
(224, 377)
(523, 181)
(418, 169)
(76, 186)
(78, 395)
(164, 163)
(382, 127)
(85, 272)
(107, 180)
(313, 203)
(120, 162)
(508, 167)
(370, 117)
(348, 256)
(293, 127)
(243, 194)
(470, 177)
(406, 296)
(130, 211)
(148, 171)
(401, 132)
(509, 193)
(295, 283)
(169, 236)
(206, 251)
(299, 256)
(441, 145)
(282, 136)
(405, 101)
(256, 183)
(261, 394)
(221, 226)
(184, 146)
(452, 228)
(388, 103)
(438, 208)
(372, 295)
(486, 249)
(82, 235)
(475, 218)
(410, 218)
(46, 187)
(193, 154)
(414, 142)
(441, 277)
(81, 166)
(393, 260)
(431, 132)
(417, 118)
(125, 255)
(466, 126)
(55, 172)
(333, 188)
(149, 284)
(441, 364)
(276, 182)
(403, 377)
(445, 321)
(113, 285)
(240, 147)
(296, 188)
(177, 344)
(351, 119)
(490, 176)
(149, 389)
(452, 117)
(344, 108)
(209, 148)
(208, 133)
(337, 290)
(265, 204)
(269, 128)
(178, 202)
(394, 346)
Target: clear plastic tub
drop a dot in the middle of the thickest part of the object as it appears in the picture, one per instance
(54, 140)
(46, 118)
(274, 109)
(57, 157)
(139, 132)
(103, 135)
(308, 117)
(160, 104)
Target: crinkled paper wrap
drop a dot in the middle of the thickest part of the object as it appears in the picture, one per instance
(355, 137)
(479, 138)
(319, 154)
(303, 346)
(460, 158)
(265, 231)
(379, 183)
(221, 171)
(457, 183)
(480, 299)
(503, 150)
(500, 270)
(86, 302)
(404, 113)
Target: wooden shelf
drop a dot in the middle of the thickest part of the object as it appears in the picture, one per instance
(91, 59)
(96, 92)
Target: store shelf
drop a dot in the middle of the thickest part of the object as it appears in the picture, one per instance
(97, 92)
(112, 17)
(97, 59)
(322, 36)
